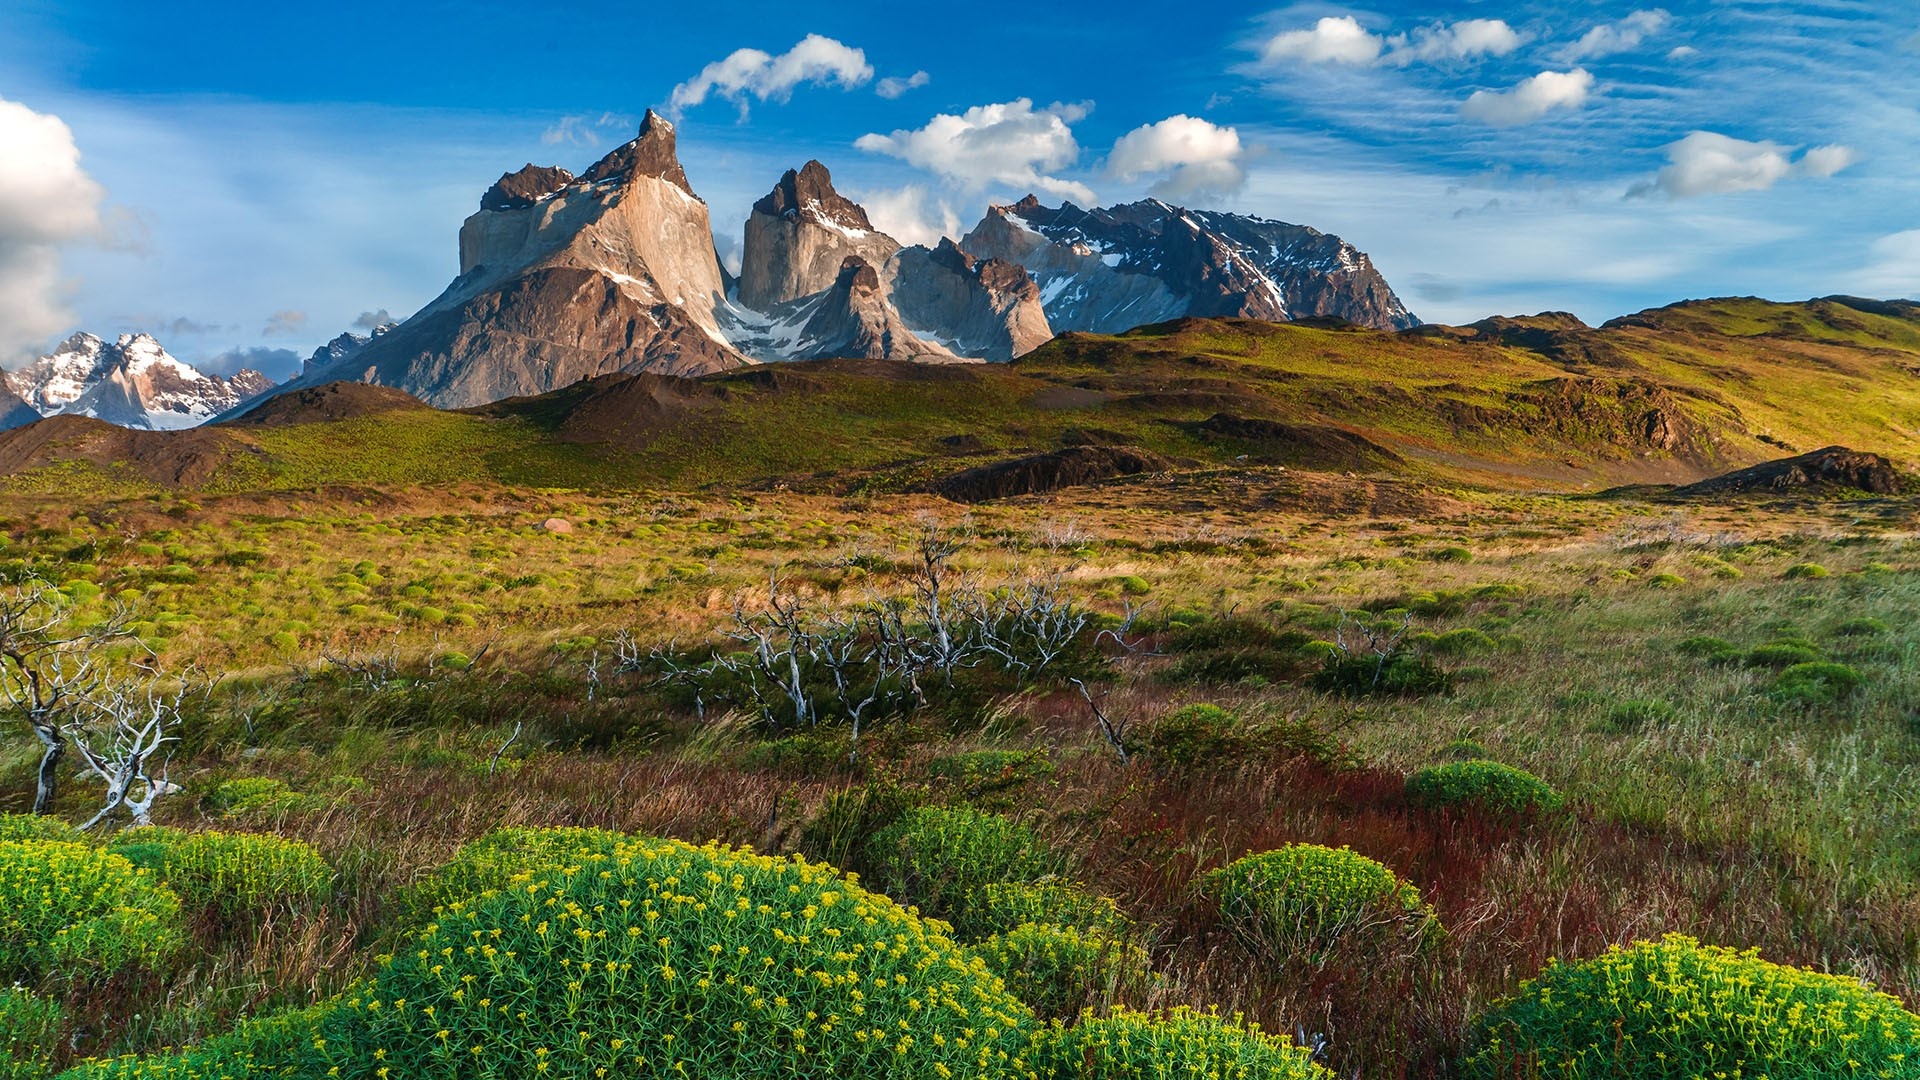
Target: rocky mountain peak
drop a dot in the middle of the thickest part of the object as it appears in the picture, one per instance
(650, 153)
(516, 190)
(857, 276)
(133, 382)
(808, 192)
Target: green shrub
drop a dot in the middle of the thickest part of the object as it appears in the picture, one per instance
(1806, 571)
(841, 833)
(942, 858)
(1781, 654)
(146, 846)
(1816, 683)
(37, 827)
(1677, 1009)
(492, 861)
(1666, 581)
(1307, 899)
(664, 959)
(29, 1032)
(242, 872)
(1060, 970)
(1197, 733)
(1453, 554)
(267, 1046)
(1463, 750)
(1464, 641)
(1867, 627)
(1399, 673)
(1630, 716)
(254, 795)
(1004, 906)
(1180, 1043)
(981, 772)
(1487, 786)
(77, 908)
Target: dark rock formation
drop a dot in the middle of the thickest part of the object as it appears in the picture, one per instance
(515, 190)
(799, 234)
(324, 404)
(1070, 467)
(854, 319)
(1833, 468)
(652, 153)
(984, 308)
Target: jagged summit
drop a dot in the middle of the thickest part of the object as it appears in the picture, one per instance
(529, 185)
(1109, 269)
(809, 192)
(799, 235)
(650, 153)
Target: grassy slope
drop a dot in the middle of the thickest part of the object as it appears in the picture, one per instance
(1463, 407)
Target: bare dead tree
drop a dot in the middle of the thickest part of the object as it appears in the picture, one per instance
(49, 669)
(780, 641)
(1383, 642)
(118, 736)
(1131, 613)
(375, 670)
(1113, 730)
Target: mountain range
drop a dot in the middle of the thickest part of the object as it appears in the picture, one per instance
(566, 277)
(132, 381)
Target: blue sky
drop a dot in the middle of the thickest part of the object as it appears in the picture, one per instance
(246, 182)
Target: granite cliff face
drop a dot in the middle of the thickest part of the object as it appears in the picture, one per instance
(561, 279)
(1109, 270)
(799, 235)
(985, 308)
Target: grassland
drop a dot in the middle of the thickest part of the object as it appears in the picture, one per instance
(402, 658)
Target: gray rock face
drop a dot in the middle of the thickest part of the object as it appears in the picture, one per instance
(798, 236)
(984, 308)
(852, 318)
(612, 272)
(1109, 270)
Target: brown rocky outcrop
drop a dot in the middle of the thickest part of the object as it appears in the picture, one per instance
(516, 190)
(1831, 468)
(1039, 473)
(799, 234)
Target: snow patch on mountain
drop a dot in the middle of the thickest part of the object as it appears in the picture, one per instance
(132, 381)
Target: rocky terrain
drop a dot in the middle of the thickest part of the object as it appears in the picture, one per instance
(132, 381)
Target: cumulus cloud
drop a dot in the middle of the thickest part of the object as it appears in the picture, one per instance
(1332, 40)
(1463, 40)
(46, 201)
(1192, 156)
(583, 130)
(894, 86)
(1342, 40)
(911, 214)
(281, 323)
(274, 363)
(1617, 37)
(1011, 143)
(1530, 99)
(1708, 163)
(752, 73)
(370, 320)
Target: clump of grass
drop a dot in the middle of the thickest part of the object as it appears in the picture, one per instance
(1666, 580)
(1307, 899)
(29, 1032)
(1781, 654)
(254, 795)
(1674, 1008)
(1709, 648)
(245, 872)
(1863, 627)
(1806, 571)
(1632, 716)
(1464, 641)
(1487, 786)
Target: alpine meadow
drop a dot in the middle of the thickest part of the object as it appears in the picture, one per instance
(1120, 638)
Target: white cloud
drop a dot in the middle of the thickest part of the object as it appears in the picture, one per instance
(1195, 157)
(1332, 40)
(1708, 163)
(1617, 37)
(46, 201)
(911, 215)
(1530, 99)
(1011, 143)
(1460, 41)
(894, 86)
(1895, 266)
(1682, 52)
(752, 73)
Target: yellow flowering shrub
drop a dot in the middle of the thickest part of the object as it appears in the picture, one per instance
(1181, 1044)
(237, 872)
(36, 827)
(942, 858)
(662, 959)
(493, 860)
(29, 1030)
(1305, 898)
(1006, 905)
(1675, 1008)
(1060, 970)
(72, 907)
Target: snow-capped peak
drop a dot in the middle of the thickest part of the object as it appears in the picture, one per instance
(133, 382)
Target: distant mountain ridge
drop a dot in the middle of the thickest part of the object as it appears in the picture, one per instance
(132, 381)
(566, 277)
